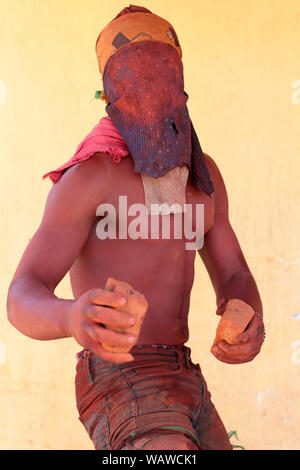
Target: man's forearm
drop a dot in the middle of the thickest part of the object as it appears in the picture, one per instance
(35, 311)
(240, 286)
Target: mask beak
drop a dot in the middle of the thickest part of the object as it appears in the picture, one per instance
(167, 192)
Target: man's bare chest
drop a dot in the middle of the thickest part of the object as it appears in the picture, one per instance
(123, 214)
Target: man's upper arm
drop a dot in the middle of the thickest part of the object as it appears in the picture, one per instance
(221, 252)
(69, 213)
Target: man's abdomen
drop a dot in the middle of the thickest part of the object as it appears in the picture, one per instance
(160, 269)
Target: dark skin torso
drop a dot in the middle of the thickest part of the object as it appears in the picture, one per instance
(163, 270)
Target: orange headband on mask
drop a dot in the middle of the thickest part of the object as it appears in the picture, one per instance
(129, 28)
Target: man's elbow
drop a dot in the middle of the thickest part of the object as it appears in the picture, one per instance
(11, 302)
(14, 303)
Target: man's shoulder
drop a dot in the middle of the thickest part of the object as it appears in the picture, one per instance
(220, 192)
(214, 172)
(89, 176)
(92, 168)
(211, 166)
(84, 184)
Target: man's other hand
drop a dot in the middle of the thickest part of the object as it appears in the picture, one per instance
(248, 344)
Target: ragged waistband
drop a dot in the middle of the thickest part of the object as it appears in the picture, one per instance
(138, 349)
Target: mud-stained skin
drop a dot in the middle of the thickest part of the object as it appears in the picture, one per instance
(123, 395)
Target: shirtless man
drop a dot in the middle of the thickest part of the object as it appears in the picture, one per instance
(163, 270)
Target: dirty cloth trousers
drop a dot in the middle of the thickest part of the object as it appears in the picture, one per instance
(160, 391)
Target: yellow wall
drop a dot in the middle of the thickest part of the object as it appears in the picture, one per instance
(242, 73)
